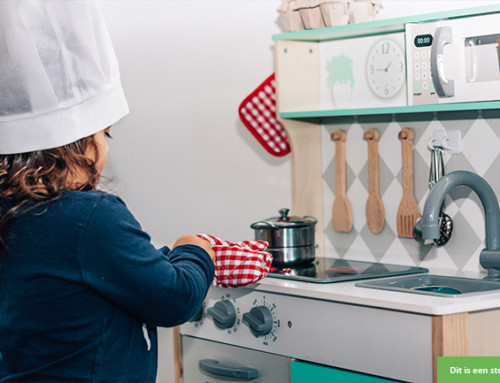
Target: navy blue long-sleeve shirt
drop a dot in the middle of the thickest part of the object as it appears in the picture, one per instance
(82, 290)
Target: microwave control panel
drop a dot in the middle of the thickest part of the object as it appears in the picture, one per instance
(421, 89)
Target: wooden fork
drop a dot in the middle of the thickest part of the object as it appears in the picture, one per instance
(408, 209)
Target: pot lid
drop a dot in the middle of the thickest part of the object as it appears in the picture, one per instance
(284, 221)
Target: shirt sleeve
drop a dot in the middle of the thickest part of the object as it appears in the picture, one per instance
(158, 286)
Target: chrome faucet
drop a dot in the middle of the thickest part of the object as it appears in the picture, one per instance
(490, 256)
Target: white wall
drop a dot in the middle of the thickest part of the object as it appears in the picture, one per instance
(182, 160)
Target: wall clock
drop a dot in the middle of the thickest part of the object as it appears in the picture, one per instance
(385, 68)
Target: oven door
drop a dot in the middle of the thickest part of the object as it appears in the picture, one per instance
(211, 362)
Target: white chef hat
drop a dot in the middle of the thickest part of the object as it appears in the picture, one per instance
(59, 77)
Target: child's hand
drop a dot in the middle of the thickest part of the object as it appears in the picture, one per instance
(188, 239)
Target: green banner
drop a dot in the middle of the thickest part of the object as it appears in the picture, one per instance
(468, 369)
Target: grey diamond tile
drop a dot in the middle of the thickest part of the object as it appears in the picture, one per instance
(416, 248)
(420, 176)
(385, 176)
(492, 118)
(463, 242)
(460, 193)
(458, 162)
(492, 176)
(341, 242)
(480, 146)
(378, 243)
(350, 176)
(363, 176)
(329, 176)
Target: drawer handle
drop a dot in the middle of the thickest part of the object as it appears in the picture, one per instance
(215, 367)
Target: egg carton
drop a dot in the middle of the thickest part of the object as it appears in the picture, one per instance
(298, 15)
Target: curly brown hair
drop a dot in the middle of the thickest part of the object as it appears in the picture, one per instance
(28, 180)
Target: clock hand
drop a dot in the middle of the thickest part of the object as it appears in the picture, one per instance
(388, 66)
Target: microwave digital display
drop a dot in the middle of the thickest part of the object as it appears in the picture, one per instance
(423, 41)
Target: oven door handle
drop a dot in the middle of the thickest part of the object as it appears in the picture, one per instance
(217, 368)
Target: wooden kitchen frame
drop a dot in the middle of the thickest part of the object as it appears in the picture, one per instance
(297, 84)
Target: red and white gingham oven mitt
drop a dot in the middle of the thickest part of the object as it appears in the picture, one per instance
(240, 263)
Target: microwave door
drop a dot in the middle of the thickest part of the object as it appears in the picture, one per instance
(482, 58)
(465, 62)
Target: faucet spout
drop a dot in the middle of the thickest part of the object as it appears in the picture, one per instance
(490, 257)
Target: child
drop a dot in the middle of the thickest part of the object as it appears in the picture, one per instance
(82, 288)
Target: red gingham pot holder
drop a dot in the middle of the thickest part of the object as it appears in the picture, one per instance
(258, 113)
(240, 263)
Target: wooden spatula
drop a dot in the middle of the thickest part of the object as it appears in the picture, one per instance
(375, 215)
(341, 212)
(408, 208)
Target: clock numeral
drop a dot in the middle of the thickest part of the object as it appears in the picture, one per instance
(385, 48)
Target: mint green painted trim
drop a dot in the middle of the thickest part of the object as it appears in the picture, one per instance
(301, 372)
(394, 110)
(381, 26)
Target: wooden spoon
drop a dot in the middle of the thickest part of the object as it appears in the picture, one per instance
(408, 209)
(341, 212)
(375, 215)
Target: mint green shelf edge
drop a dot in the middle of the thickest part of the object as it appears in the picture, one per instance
(381, 26)
(394, 110)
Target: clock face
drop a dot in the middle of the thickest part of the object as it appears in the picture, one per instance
(385, 68)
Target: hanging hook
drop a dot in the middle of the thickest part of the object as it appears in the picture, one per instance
(449, 141)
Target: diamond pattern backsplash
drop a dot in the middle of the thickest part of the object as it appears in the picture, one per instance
(480, 154)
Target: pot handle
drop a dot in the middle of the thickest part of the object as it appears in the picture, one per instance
(263, 225)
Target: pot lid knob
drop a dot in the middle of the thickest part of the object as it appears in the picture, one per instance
(284, 214)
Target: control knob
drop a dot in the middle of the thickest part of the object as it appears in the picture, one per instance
(223, 313)
(260, 320)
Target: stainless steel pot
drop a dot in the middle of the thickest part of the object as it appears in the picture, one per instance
(291, 239)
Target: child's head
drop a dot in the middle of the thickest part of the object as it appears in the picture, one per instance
(45, 174)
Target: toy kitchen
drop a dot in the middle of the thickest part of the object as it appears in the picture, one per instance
(373, 111)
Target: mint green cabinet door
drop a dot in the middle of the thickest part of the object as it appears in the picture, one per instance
(301, 372)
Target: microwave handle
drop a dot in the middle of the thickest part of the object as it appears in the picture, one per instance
(215, 367)
(444, 87)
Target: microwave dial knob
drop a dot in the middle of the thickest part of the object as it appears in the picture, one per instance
(260, 320)
(223, 314)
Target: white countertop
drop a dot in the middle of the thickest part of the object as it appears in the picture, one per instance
(347, 292)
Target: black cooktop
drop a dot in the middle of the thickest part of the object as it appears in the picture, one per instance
(330, 270)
